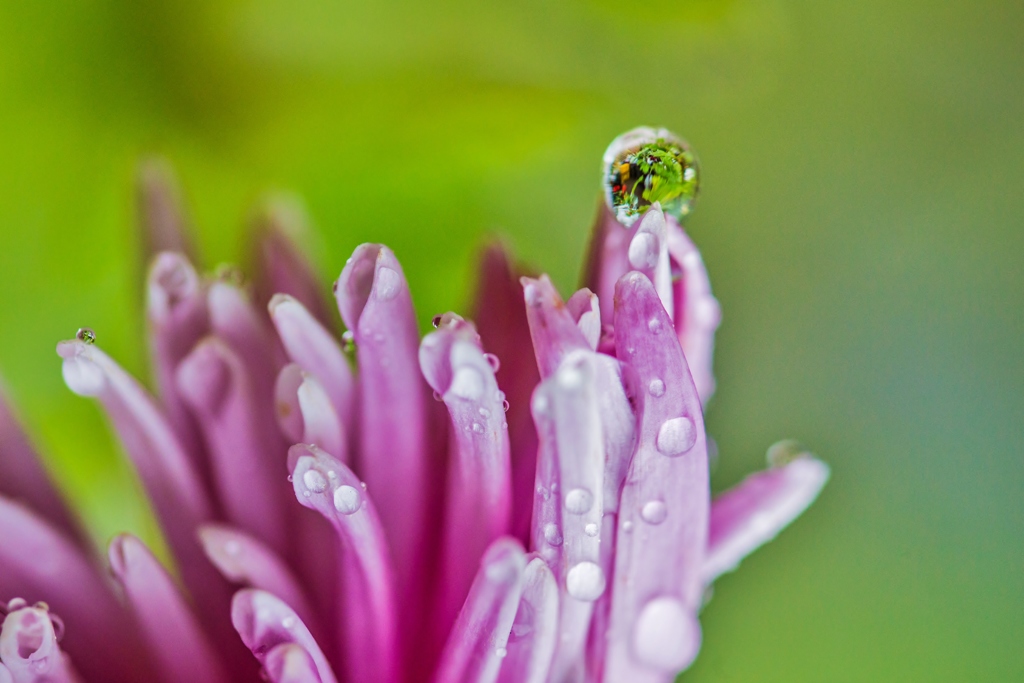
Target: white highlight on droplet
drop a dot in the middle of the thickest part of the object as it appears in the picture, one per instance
(347, 500)
(665, 636)
(676, 436)
(585, 581)
(314, 481)
(579, 501)
(654, 512)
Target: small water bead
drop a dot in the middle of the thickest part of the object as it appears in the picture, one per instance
(493, 361)
(436, 321)
(654, 325)
(664, 635)
(784, 452)
(314, 481)
(654, 512)
(58, 627)
(579, 501)
(363, 485)
(676, 436)
(347, 500)
(348, 341)
(484, 413)
(505, 405)
(585, 581)
(332, 475)
(467, 383)
(551, 534)
(591, 530)
(501, 653)
(656, 387)
(478, 428)
(437, 396)
(627, 526)
(289, 622)
(648, 165)
(387, 283)
(85, 335)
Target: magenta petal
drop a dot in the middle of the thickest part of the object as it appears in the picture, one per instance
(162, 219)
(264, 622)
(663, 514)
(305, 412)
(697, 313)
(246, 560)
(29, 649)
(22, 476)
(290, 663)
(552, 327)
(308, 343)
(478, 643)
(244, 449)
(534, 635)
(324, 484)
(500, 316)
(478, 502)
(394, 453)
(754, 512)
(39, 562)
(5, 675)
(173, 633)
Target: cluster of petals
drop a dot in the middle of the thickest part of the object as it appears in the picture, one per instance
(523, 499)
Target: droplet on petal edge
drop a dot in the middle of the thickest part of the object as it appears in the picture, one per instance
(86, 334)
(676, 436)
(781, 453)
(664, 635)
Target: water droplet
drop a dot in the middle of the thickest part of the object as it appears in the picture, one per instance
(363, 485)
(314, 481)
(551, 534)
(348, 341)
(42, 605)
(676, 436)
(590, 530)
(501, 653)
(579, 501)
(654, 512)
(493, 361)
(332, 475)
(467, 383)
(289, 622)
(86, 335)
(437, 396)
(647, 165)
(484, 413)
(347, 500)
(505, 405)
(784, 452)
(387, 283)
(656, 387)
(627, 526)
(585, 581)
(654, 325)
(58, 627)
(664, 635)
(436, 321)
(290, 478)
(478, 428)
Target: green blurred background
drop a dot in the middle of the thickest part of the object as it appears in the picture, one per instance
(860, 215)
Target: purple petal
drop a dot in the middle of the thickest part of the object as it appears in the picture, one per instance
(305, 413)
(290, 663)
(324, 484)
(23, 477)
(38, 561)
(478, 502)
(534, 635)
(394, 453)
(552, 327)
(308, 343)
(478, 643)
(697, 313)
(244, 449)
(500, 316)
(29, 649)
(264, 622)
(160, 214)
(245, 560)
(663, 511)
(173, 633)
(281, 267)
(585, 309)
(754, 512)
(5, 675)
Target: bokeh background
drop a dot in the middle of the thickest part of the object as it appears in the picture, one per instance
(860, 215)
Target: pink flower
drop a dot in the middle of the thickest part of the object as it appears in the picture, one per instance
(546, 517)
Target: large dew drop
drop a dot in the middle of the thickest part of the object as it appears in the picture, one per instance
(314, 481)
(676, 436)
(585, 581)
(347, 500)
(654, 512)
(579, 501)
(665, 636)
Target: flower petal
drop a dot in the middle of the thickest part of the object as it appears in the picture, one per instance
(534, 635)
(394, 450)
(368, 639)
(162, 219)
(478, 643)
(500, 316)
(308, 343)
(264, 622)
(5, 675)
(38, 561)
(247, 458)
(585, 309)
(290, 663)
(173, 633)
(754, 512)
(552, 327)
(663, 511)
(29, 649)
(478, 503)
(22, 476)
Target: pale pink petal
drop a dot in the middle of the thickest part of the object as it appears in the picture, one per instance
(23, 477)
(311, 345)
(245, 560)
(394, 447)
(664, 505)
(39, 562)
(161, 218)
(534, 635)
(174, 635)
(585, 309)
(478, 501)
(552, 327)
(369, 637)
(29, 649)
(247, 459)
(5, 675)
(754, 512)
(478, 643)
(500, 316)
(264, 622)
(290, 663)
(286, 402)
